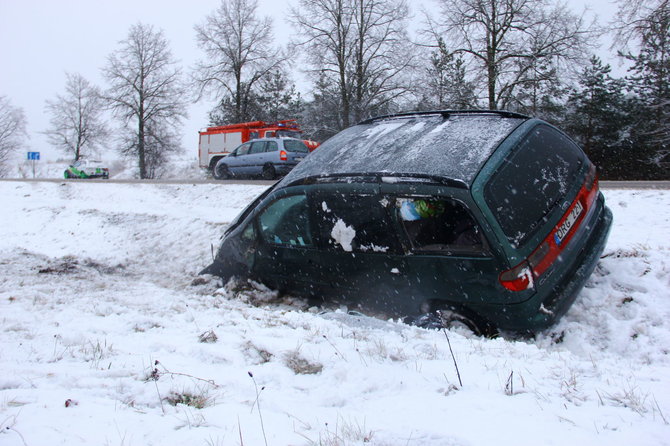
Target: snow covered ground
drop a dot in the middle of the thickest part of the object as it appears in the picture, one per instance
(106, 339)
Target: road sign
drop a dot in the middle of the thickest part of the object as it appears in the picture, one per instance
(35, 156)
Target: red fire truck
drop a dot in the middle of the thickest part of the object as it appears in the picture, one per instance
(217, 142)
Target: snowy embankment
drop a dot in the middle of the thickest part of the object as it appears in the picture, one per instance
(107, 340)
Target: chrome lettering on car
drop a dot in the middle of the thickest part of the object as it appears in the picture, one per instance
(569, 222)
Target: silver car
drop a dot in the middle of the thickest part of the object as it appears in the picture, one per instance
(266, 157)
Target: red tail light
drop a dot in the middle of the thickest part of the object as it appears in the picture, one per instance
(591, 178)
(283, 155)
(518, 278)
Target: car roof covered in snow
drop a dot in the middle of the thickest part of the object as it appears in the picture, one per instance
(445, 144)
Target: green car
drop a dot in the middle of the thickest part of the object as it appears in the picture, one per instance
(86, 169)
(487, 219)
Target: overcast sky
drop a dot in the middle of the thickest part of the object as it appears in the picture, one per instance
(41, 40)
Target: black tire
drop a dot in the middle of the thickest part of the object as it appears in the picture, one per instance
(269, 172)
(456, 318)
(221, 171)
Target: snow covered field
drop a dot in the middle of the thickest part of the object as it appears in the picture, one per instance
(106, 339)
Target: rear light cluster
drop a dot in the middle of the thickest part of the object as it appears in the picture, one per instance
(283, 155)
(522, 276)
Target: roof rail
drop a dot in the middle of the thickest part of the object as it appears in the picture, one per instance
(380, 177)
(447, 113)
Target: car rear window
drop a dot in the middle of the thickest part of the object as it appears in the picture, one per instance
(531, 181)
(295, 146)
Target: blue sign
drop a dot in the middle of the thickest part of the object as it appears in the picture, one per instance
(34, 156)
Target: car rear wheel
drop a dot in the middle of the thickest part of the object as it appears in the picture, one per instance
(221, 171)
(458, 319)
(269, 172)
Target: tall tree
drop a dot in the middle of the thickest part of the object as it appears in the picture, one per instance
(146, 93)
(321, 117)
(12, 132)
(76, 124)
(358, 49)
(506, 39)
(446, 85)
(541, 92)
(238, 55)
(650, 77)
(275, 98)
(598, 116)
(634, 19)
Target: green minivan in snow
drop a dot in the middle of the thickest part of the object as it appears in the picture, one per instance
(488, 219)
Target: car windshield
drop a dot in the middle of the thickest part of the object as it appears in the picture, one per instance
(454, 147)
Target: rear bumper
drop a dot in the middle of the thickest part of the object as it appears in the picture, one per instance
(554, 305)
(547, 306)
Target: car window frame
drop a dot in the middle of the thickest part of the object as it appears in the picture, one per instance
(317, 196)
(246, 145)
(519, 241)
(258, 213)
(453, 251)
(252, 148)
(295, 142)
(271, 144)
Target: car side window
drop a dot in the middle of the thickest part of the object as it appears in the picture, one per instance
(243, 149)
(257, 147)
(440, 225)
(286, 222)
(355, 223)
(249, 233)
(271, 146)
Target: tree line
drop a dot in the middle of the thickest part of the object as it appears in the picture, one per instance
(530, 56)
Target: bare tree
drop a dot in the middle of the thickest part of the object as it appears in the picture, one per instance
(146, 93)
(635, 18)
(506, 40)
(12, 132)
(76, 125)
(239, 53)
(358, 49)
